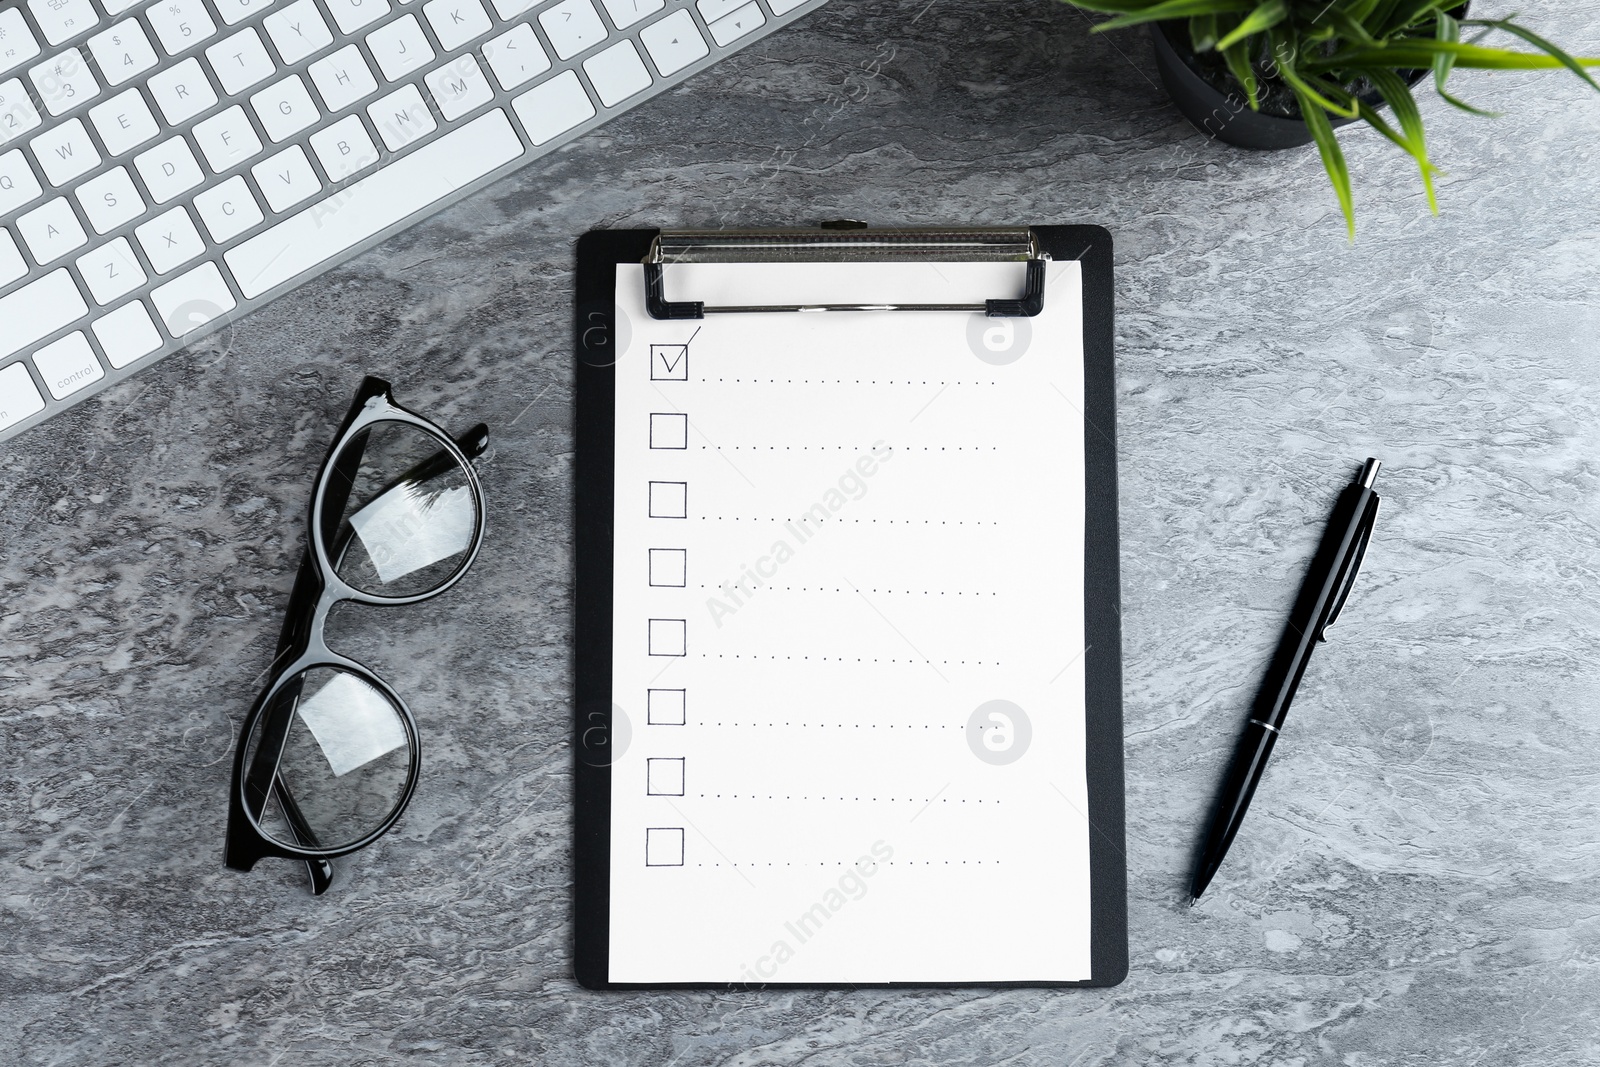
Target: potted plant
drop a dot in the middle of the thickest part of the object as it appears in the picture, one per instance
(1280, 73)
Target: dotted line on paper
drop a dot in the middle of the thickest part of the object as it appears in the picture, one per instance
(889, 592)
(857, 659)
(837, 381)
(853, 448)
(835, 518)
(908, 800)
(843, 863)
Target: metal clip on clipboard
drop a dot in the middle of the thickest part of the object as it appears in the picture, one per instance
(845, 242)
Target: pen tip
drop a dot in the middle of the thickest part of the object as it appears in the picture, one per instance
(1193, 900)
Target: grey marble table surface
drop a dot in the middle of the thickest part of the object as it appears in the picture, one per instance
(1421, 889)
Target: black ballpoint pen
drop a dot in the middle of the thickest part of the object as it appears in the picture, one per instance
(1327, 586)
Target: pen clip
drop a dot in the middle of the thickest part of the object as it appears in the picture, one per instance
(1355, 569)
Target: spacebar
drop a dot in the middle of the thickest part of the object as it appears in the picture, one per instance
(403, 187)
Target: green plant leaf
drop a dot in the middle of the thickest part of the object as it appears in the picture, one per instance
(1133, 13)
(1303, 87)
(1447, 29)
(1410, 13)
(1316, 120)
(1543, 45)
(1264, 17)
(1397, 94)
(1414, 53)
(1203, 32)
(1237, 56)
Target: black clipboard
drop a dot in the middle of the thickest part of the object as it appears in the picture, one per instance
(599, 254)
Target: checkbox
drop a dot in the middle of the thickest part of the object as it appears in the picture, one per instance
(664, 777)
(668, 637)
(669, 363)
(663, 846)
(669, 431)
(666, 707)
(669, 500)
(669, 567)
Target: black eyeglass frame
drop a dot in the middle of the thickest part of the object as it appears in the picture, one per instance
(303, 647)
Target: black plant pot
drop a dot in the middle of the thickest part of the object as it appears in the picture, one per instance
(1227, 116)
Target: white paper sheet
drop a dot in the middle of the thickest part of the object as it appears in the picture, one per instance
(848, 633)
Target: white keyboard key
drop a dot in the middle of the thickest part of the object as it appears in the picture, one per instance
(371, 205)
(191, 300)
(64, 152)
(228, 209)
(17, 43)
(51, 230)
(124, 122)
(400, 47)
(297, 31)
(17, 113)
(240, 61)
(343, 78)
(122, 51)
(182, 91)
(110, 271)
(17, 184)
(64, 81)
(110, 199)
(351, 15)
(62, 20)
(625, 13)
(19, 397)
(126, 334)
(12, 265)
(572, 26)
(180, 24)
(286, 178)
(234, 12)
(516, 56)
(674, 42)
(401, 117)
(730, 28)
(455, 22)
(553, 107)
(169, 240)
(712, 10)
(617, 73)
(168, 169)
(783, 7)
(284, 108)
(68, 365)
(458, 87)
(38, 310)
(117, 7)
(510, 9)
(227, 139)
(344, 148)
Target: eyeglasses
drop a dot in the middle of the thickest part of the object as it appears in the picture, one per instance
(328, 755)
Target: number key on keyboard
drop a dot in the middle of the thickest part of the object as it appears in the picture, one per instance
(180, 24)
(572, 26)
(64, 81)
(17, 113)
(122, 51)
(236, 11)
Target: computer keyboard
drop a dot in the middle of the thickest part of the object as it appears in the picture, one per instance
(166, 167)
